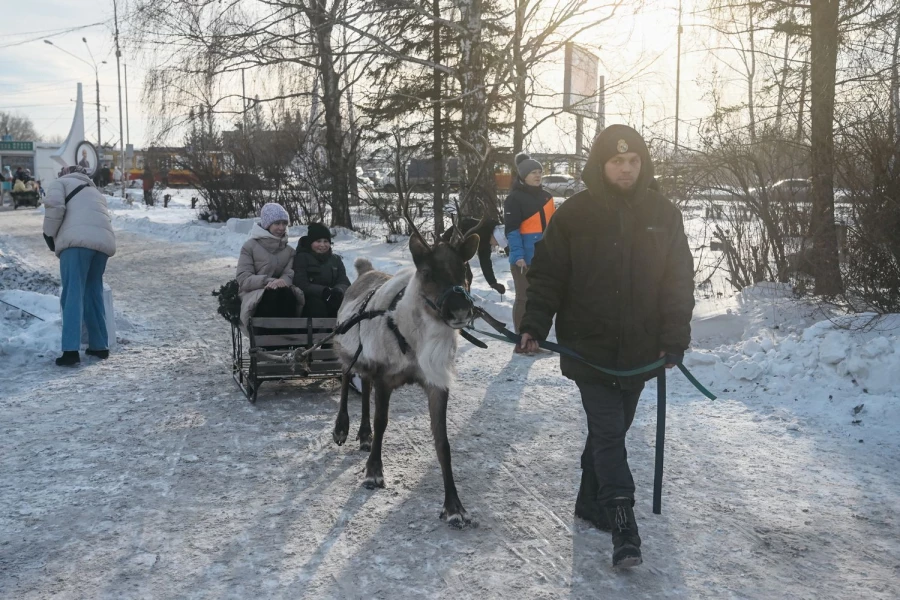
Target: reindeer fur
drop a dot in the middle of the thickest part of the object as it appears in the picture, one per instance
(428, 361)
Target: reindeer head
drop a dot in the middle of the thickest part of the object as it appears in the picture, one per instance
(441, 272)
(441, 269)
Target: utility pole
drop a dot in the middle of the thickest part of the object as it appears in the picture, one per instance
(243, 102)
(127, 128)
(678, 77)
(119, 76)
(92, 64)
(97, 82)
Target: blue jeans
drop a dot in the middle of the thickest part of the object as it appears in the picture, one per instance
(81, 273)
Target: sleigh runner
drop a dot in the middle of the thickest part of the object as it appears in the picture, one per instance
(258, 352)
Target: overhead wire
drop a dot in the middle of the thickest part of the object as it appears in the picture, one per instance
(53, 35)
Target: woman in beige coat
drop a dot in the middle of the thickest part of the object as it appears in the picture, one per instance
(265, 269)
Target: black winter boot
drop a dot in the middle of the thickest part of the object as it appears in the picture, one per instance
(68, 358)
(626, 541)
(101, 354)
(586, 505)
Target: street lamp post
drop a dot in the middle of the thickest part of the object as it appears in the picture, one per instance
(96, 81)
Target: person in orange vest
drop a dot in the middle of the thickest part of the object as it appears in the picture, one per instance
(526, 210)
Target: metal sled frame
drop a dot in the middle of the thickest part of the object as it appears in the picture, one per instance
(28, 198)
(254, 364)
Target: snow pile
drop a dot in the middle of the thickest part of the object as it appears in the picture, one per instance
(785, 341)
(22, 335)
(30, 319)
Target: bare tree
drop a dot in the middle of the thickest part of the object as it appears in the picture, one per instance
(17, 126)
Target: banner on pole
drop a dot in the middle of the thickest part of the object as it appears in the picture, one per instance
(580, 82)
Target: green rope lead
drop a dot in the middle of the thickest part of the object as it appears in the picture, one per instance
(512, 338)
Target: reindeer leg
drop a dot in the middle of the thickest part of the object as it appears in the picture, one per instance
(453, 512)
(342, 422)
(365, 429)
(374, 474)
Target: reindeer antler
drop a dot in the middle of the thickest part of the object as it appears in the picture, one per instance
(404, 193)
(481, 167)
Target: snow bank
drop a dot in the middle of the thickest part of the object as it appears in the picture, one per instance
(30, 320)
(23, 336)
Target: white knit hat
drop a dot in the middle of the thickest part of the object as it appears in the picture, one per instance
(270, 213)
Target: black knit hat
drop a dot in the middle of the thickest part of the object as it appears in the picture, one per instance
(317, 231)
(617, 139)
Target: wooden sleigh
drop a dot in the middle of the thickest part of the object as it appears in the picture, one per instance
(264, 356)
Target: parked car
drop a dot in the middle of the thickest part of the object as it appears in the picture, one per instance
(796, 190)
(562, 185)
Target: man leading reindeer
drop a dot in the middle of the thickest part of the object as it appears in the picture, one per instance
(615, 268)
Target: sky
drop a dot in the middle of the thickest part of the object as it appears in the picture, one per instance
(39, 80)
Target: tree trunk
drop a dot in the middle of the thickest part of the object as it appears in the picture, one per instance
(520, 78)
(804, 78)
(782, 84)
(895, 100)
(751, 79)
(474, 127)
(438, 138)
(823, 57)
(331, 100)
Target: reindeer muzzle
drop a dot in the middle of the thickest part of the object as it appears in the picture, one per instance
(455, 307)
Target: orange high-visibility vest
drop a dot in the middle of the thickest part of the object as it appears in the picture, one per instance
(537, 222)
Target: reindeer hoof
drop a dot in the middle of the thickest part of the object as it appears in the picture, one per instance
(365, 441)
(339, 437)
(459, 520)
(373, 481)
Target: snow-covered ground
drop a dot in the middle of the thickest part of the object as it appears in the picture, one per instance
(148, 475)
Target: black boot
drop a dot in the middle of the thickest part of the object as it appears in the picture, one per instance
(68, 358)
(626, 541)
(101, 354)
(586, 505)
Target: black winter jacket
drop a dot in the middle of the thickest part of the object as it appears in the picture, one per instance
(313, 272)
(618, 274)
(484, 244)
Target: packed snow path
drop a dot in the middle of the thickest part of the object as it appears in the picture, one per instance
(150, 476)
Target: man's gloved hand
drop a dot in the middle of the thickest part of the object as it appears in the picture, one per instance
(326, 293)
(501, 289)
(672, 358)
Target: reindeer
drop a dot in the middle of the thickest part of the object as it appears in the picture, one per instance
(414, 341)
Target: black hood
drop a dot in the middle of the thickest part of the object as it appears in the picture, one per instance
(616, 139)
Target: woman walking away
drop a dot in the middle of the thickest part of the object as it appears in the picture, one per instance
(78, 228)
(265, 269)
(320, 273)
(527, 210)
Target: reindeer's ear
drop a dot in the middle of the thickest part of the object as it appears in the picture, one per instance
(469, 247)
(419, 249)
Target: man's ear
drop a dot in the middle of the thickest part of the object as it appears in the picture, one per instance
(469, 247)
(419, 249)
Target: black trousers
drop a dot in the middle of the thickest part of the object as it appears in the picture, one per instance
(280, 303)
(610, 412)
(316, 308)
(277, 303)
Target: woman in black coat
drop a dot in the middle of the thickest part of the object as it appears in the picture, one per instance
(486, 242)
(319, 273)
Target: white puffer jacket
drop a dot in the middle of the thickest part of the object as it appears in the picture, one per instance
(82, 223)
